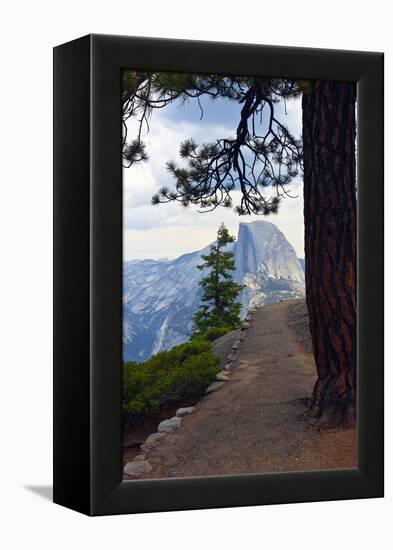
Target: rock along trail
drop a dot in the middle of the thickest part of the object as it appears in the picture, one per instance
(254, 422)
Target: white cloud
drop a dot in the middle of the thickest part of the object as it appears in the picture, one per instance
(291, 115)
(169, 241)
(142, 180)
(177, 230)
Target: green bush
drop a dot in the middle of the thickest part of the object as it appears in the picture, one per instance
(180, 374)
(215, 332)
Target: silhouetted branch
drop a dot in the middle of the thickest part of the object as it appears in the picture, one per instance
(262, 154)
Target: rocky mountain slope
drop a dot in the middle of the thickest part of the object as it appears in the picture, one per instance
(161, 296)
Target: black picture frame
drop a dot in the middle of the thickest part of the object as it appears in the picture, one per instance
(88, 275)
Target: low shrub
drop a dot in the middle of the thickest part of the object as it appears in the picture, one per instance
(180, 374)
(216, 332)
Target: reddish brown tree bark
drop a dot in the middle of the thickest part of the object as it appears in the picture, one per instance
(330, 246)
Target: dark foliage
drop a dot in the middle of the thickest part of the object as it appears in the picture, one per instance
(169, 377)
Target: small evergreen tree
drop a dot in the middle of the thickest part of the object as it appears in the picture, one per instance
(219, 312)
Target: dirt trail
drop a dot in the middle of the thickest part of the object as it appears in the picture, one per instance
(255, 423)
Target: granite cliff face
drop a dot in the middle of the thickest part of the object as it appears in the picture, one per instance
(161, 296)
(267, 265)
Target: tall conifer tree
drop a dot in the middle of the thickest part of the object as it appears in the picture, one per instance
(220, 311)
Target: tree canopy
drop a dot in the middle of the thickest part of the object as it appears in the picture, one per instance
(263, 153)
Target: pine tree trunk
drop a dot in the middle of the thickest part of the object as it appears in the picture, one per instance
(330, 246)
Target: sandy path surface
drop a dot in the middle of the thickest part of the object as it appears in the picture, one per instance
(255, 422)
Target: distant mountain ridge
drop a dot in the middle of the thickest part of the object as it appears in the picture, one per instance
(161, 296)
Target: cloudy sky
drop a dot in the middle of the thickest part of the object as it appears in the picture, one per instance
(169, 230)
